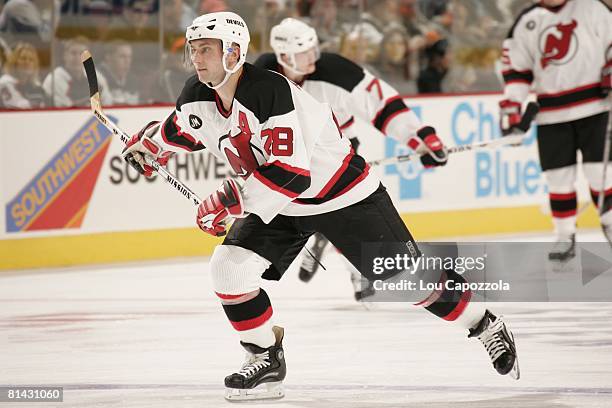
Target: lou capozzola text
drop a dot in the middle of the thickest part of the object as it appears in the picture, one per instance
(405, 263)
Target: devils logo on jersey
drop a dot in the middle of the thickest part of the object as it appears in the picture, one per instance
(244, 162)
(558, 44)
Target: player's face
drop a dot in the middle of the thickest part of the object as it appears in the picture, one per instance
(206, 59)
(305, 61)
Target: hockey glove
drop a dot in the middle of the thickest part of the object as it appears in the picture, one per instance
(430, 147)
(509, 116)
(214, 210)
(140, 145)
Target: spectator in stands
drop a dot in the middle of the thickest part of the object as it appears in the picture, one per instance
(67, 85)
(116, 69)
(20, 85)
(266, 17)
(430, 78)
(174, 72)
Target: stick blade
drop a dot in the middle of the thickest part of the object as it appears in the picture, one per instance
(90, 71)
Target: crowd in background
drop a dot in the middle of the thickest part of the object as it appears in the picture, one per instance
(419, 46)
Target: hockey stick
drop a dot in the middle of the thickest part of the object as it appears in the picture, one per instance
(96, 107)
(514, 139)
(606, 160)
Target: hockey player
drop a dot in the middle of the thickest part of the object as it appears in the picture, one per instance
(351, 91)
(562, 48)
(300, 177)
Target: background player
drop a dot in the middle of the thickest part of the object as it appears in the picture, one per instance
(562, 48)
(300, 177)
(351, 91)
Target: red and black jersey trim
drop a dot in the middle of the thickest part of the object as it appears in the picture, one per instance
(353, 169)
(250, 314)
(175, 136)
(348, 123)
(393, 107)
(570, 97)
(283, 178)
(512, 76)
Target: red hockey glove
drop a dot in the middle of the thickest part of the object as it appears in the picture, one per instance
(509, 116)
(214, 210)
(140, 145)
(606, 78)
(430, 147)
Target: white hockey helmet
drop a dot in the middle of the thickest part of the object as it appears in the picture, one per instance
(229, 28)
(290, 37)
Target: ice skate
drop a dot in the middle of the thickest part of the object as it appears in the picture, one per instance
(564, 249)
(261, 375)
(311, 262)
(499, 343)
(362, 288)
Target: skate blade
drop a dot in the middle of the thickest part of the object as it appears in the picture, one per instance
(515, 373)
(272, 390)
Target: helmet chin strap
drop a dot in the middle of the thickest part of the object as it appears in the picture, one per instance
(228, 72)
(293, 66)
(220, 84)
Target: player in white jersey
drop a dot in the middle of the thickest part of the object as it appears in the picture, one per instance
(562, 49)
(351, 91)
(300, 177)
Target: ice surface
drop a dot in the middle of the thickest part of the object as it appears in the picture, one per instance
(154, 335)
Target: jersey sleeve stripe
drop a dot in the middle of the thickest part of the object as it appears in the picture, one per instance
(393, 106)
(174, 136)
(348, 123)
(288, 180)
(512, 76)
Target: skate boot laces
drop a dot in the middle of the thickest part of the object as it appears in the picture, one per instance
(493, 340)
(254, 363)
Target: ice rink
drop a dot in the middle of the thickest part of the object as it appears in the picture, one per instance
(154, 335)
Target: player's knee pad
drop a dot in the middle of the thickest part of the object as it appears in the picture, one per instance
(235, 270)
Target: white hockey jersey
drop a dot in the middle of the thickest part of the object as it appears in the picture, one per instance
(560, 52)
(276, 136)
(353, 91)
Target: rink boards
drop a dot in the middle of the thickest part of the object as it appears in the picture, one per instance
(69, 199)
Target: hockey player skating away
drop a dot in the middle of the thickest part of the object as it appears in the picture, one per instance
(562, 48)
(300, 177)
(351, 91)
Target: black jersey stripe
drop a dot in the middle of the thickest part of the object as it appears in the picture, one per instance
(570, 97)
(518, 76)
(393, 106)
(354, 169)
(175, 136)
(285, 179)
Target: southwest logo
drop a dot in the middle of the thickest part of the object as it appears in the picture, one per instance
(58, 196)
